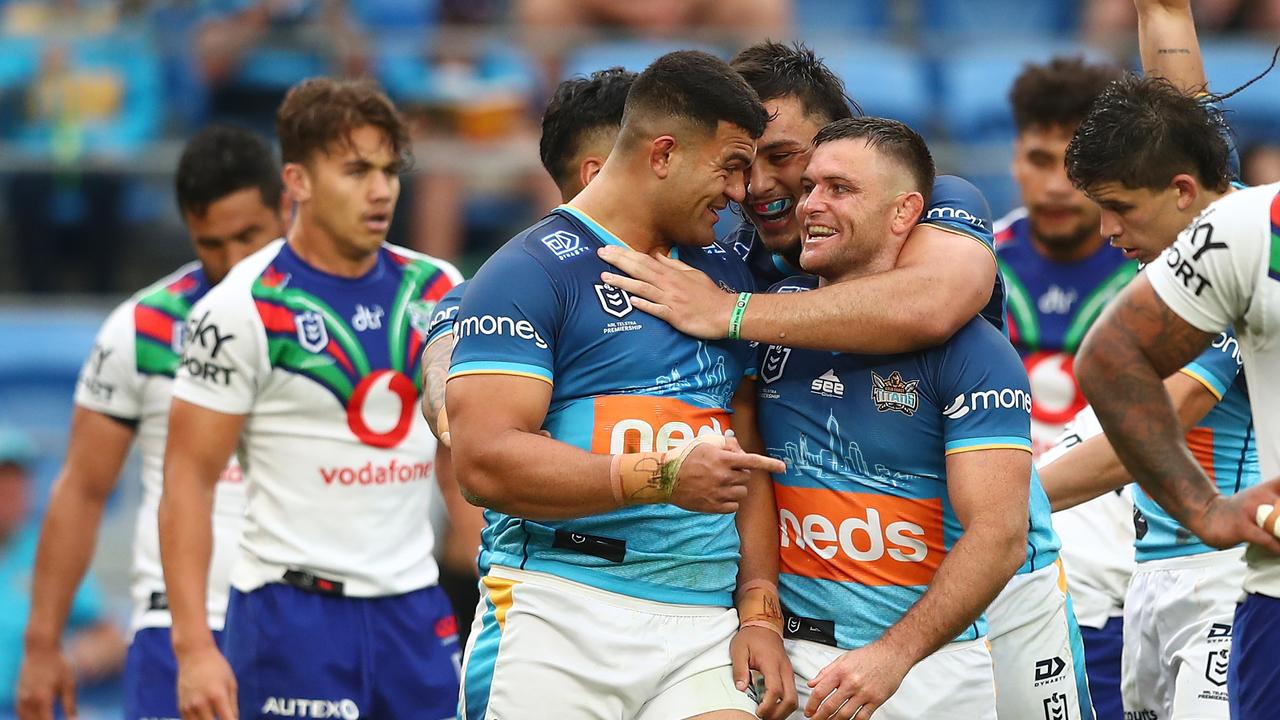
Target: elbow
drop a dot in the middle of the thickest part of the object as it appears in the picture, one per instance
(478, 481)
(1010, 543)
(936, 327)
(1092, 367)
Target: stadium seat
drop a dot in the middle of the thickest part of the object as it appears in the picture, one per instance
(410, 77)
(1253, 113)
(634, 55)
(396, 15)
(884, 79)
(998, 19)
(974, 84)
(815, 19)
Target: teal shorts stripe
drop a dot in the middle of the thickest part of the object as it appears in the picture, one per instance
(1077, 655)
(478, 678)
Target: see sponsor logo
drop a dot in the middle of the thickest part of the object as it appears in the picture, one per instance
(861, 538)
(636, 423)
(827, 385)
(499, 325)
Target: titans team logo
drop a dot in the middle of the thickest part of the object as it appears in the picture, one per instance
(893, 394)
(614, 301)
(775, 361)
(313, 336)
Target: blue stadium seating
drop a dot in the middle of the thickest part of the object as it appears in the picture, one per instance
(634, 55)
(974, 84)
(817, 18)
(998, 20)
(886, 80)
(1255, 112)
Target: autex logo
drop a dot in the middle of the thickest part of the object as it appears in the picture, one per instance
(639, 423)
(346, 709)
(828, 385)
(499, 325)
(1004, 398)
(862, 538)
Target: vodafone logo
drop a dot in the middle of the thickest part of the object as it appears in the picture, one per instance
(380, 411)
(1057, 397)
(861, 538)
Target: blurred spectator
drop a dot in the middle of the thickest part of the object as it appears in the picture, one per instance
(1260, 164)
(95, 646)
(1104, 19)
(250, 52)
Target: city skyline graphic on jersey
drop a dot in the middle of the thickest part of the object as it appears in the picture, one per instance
(838, 458)
(709, 386)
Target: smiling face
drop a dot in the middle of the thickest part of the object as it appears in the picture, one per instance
(350, 191)
(847, 210)
(706, 173)
(781, 156)
(1062, 218)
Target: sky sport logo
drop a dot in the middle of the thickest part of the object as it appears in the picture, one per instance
(345, 709)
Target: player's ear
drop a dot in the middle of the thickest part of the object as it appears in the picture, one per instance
(662, 155)
(589, 169)
(1188, 189)
(908, 210)
(297, 182)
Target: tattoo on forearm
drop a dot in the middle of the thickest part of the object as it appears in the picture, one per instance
(435, 371)
(1141, 342)
(1173, 51)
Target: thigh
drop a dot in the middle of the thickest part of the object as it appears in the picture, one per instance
(413, 641)
(151, 676)
(699, 679)
(704, 695)
(1143, 682)
(955, 683)
(544, 652)
(1254, 672)
(1200, 617)
(296, 652)
(1034, 663)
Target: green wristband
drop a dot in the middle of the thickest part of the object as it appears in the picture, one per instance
(739, 309)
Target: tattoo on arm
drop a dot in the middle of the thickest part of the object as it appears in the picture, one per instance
(1139, 342)
(435, 371)
(1173, 51)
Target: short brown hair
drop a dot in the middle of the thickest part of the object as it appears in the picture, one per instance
(320, 111)
(1060, 92)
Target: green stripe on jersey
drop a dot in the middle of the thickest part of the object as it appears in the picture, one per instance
(1021, 308)
(1093, 305)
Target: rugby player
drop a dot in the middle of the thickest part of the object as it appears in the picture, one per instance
(612, 549)
(904, 505)
(579, 127)
(303, 359)
(1032, 621)
(230, 196)
(1156, 158)
(1060, 273)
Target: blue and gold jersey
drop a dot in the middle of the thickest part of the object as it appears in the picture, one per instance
(863, 506)
(622, 381)
(1223, 442)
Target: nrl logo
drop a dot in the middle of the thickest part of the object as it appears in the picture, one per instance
(775, 360)
(614, 301)
(313, 336)
(893, 394)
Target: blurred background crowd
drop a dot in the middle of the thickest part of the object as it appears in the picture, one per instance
(97, 98)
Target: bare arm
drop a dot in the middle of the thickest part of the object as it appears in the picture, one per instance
(466, 521)
(503, 461)
(988, 490)
(1092, 468)
(96, 451)
(938, 285)
(1168, 45)
(435, 372)
(757, 518)
(199, 443)
(1137, 341)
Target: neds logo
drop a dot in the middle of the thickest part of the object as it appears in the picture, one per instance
(859, 537)
(637, 423)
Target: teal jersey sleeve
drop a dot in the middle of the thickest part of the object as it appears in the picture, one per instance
(508, 320)
(985, 393)
(445, 312)
(1217, 367)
